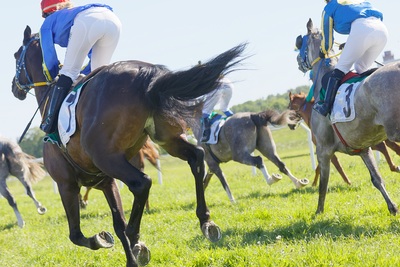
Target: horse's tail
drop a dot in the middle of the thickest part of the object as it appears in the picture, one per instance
(275, 118)
(150, 152)
(35, 168)
(167, 91)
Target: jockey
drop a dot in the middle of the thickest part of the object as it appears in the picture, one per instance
(222, 96)
(92, 30)
(367, 37)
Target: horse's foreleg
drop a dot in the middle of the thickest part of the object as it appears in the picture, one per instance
(316, 176)
(393, 146)
(195, 157)
(324, 163)
(335, 162)
(111, 192)
(7, 195)
(377, 180)
(215, 168)
(381, 147)
(70, 198)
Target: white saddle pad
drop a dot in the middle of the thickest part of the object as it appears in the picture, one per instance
(343, 107)
(215, 128)
(66, 117)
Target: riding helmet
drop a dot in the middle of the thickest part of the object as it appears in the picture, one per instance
(49, 6)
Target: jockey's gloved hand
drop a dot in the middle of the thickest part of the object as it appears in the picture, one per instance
(321, 54)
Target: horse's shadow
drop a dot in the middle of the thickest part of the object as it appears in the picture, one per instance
(308, 190)
(301, 230)
(8, 226)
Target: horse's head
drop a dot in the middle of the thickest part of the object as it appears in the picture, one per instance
(308, 47)
(28, 66)
(297, 101)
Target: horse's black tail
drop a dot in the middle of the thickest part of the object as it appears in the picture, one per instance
(171, 89)
(273, 117)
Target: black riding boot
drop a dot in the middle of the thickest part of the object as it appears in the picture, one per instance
(324, 108)
(206, 129)
(59, 92)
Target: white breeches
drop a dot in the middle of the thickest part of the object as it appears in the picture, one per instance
(96, 28)
(221, 96)
(366, 41)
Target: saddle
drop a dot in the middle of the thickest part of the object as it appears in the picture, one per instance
(352, 77)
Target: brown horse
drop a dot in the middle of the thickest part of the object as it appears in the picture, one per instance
(120, 106)
(298, 103)
(13, 161)
(149, 151)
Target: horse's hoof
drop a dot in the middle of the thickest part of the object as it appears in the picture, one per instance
(275, 177)
(41, 210)
(302, 183)
(21, 224)
(142, 254)
(83, 204)
(104, 240)
(211, 231)
(397, 169)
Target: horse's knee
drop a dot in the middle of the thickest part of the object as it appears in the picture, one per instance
(143, 187)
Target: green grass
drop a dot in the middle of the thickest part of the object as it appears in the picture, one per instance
(268, 226)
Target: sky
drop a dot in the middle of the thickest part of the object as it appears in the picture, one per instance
(179, 33)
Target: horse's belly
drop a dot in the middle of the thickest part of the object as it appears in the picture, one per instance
(363, 136)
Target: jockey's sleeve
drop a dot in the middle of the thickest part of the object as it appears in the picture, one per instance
(50, 60)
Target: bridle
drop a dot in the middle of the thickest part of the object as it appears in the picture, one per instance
(21, 67)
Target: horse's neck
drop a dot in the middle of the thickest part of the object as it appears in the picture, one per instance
(305, 110)
(319, 71)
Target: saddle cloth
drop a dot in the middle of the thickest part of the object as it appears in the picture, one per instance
(215, 129)
(66, 117)
(343, 107)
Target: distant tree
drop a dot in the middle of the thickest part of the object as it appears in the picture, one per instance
(278, 102)
(33, 142)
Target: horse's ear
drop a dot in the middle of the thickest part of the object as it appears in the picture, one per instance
(27, 34)
(310, 26)
(290, 94)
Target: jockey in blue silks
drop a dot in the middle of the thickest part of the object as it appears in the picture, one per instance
(367, 37)
(92, 29)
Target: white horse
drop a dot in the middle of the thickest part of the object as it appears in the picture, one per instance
(240, 136)
(377, 109)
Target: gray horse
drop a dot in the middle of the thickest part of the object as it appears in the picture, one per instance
(377, 118)
(241, 134)
(21, 165)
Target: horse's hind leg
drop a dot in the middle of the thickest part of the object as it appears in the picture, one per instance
(194, 155)
(377, 180)
(266, 145)
(7, 195)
